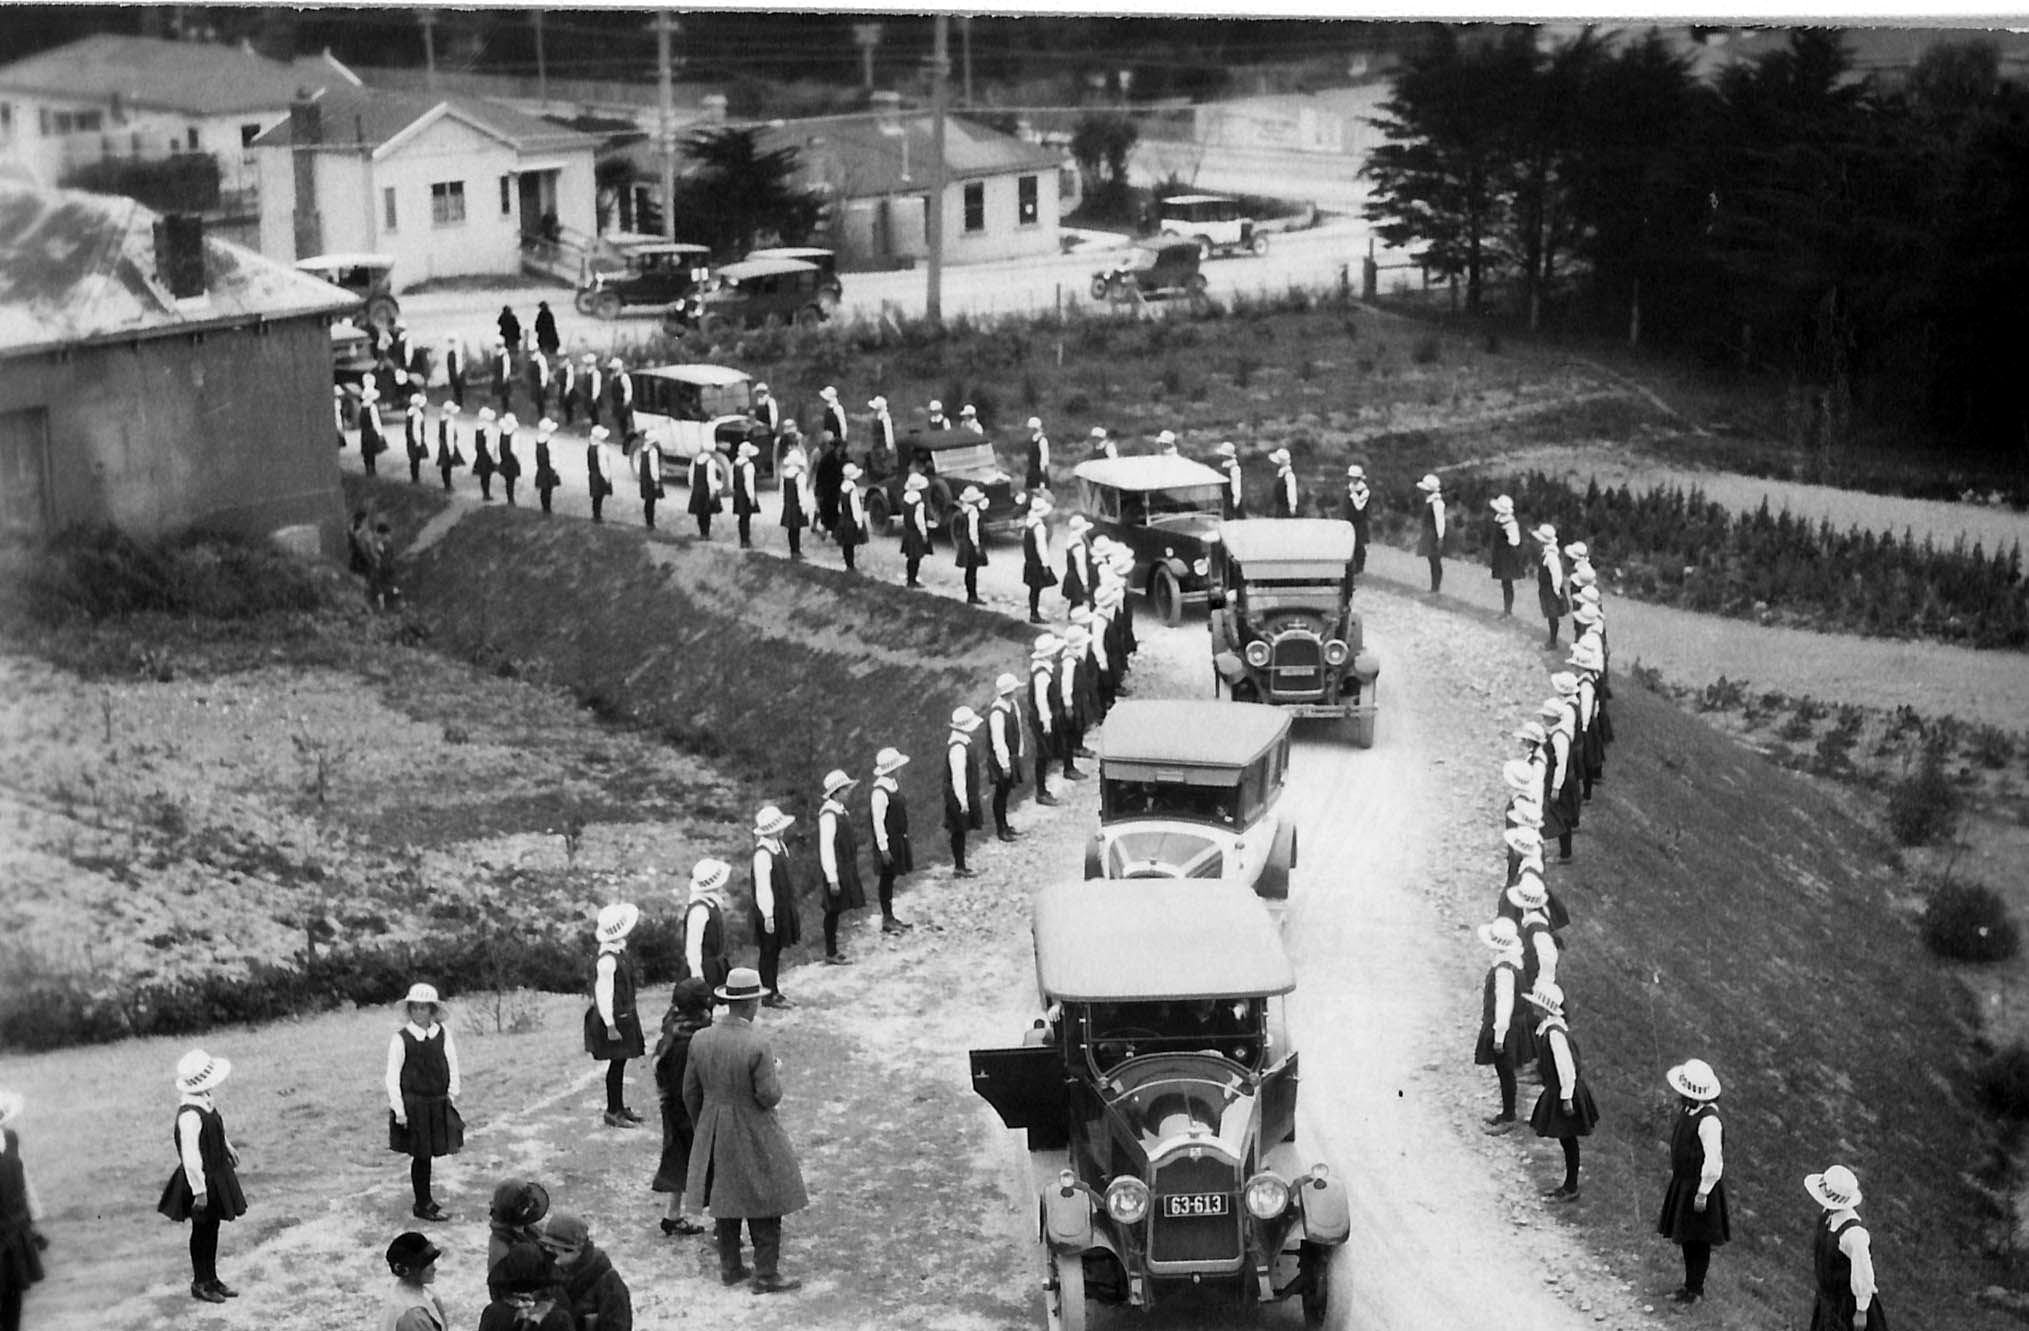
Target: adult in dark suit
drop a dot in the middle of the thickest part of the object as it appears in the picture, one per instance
(771, 896)
(546, 339)
(828, 474)
(892, 851)
(742, 1166)
(838, 857)
(961, 789)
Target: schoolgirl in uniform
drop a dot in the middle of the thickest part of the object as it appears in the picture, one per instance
(613, 1022)
(422, 1090)
(205, 1189)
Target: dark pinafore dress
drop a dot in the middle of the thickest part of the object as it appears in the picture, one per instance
(1548, 1117)
(1833, 1310)
(1520, 1045)
(626, 1016)
(1679, 1223)
(20, 1263)
(222, 1186)
(434, 1127)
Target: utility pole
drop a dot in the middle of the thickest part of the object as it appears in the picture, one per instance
(542, 76)
(965, 46)
(665, 27)
(866, 36)
(940, 103)
(427, 18)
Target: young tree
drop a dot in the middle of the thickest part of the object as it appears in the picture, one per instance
(738, 191)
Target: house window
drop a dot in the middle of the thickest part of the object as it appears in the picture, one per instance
(975, 206)
(42, 121)
(387, 208)
(193, 138)
(62, 122)
(6, 120)
(1025, 201)
(506, 195)
(89, 121)
(447, 203)
(248, 133)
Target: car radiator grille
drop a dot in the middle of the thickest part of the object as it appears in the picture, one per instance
(1296, 669)
(1195, 1238)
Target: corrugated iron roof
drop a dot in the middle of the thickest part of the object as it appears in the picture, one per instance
(79, 268)
(373, 117)
(197, 77)
(867, 154)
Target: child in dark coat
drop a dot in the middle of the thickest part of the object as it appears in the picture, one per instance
(593, 1290)
(205, 1189)
(518, 1204)
(690, 1011)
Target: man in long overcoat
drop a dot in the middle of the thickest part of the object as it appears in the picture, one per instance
(742, 1166)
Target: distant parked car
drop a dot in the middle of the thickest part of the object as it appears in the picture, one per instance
(825, 261)
(367, 276)
(1153, 270)
(1166, 510)
(1219, 225)
(660, 273)
(754, 293)
(689, 410)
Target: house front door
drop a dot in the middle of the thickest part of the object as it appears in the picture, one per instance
(24, 474)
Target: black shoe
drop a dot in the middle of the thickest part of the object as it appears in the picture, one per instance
(1073, 774)
(681, 1225)
(891, 925)
(734, 1276)
(964, 871)
(631, 1116)
(429, 1211)
(1037, 619)
(220, 1287)
(615, 1119)
(208, 1293)
(776, 1001)
(1560, 1193)
(1004, 835)
(1687, 1297)
(975, 600)
(774, 1285)
(1046, 799)
(1082, 752)
(1500, 1125)
(836, 960)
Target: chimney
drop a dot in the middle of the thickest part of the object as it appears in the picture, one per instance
(179, 254)
(306, 120)
(887, 111)
(306, 134)
(714, 106)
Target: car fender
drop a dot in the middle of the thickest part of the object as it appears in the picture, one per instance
(1179, 567)
(1067, 1218)
(1366, 667)
(1323, 1203)
(1229, 665)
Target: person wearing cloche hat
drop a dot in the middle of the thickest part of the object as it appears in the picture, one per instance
(518, 1206)
(21, 1243)
(205, 1189)
(1842, 1257)
(450, 454)
(1506, 1040)
(1286, 498)
(506, 458)
(850, 529)
(962, 813)
(372, 435)
(1166, 443)
(704, 951)
(1506, 559)
(1040, 709)
(415, 435)
(746, 488)
(771, 899)
(1102, 443)
(792, 482)
(1565, 1111)
(1037, 575)
(1036, 476)
(1004, 748)
(1553, 590)
(1234, 495)
(1694, 1205)
(593, 1291)
(1430, 529)
(422, 1094)
(412, 1305)
(1358, 511)
(705, 484)
(915, 527)
(1079, 581)
(893, 854)
(742, 1167)
(968, 539)
(881, 446)
(483, 464)
(838, 861)
(546, 478)
(613, 1021)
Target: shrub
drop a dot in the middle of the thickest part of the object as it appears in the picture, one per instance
(1969, 922)
(1923, 807)
(103, 573)
(2002, 1082)
(1427, 350)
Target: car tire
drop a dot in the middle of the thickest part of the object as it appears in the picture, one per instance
(1068, 1299)
(606, 306)
(1205, 248)
(1165, 598)
(1314, 1269)
(1258, 247)
(879, 518)
(1100, 286)
(582, 302)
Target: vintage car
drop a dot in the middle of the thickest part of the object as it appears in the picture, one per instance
(1283, 626)
(367, 276)
(830, 290)
(1158, 1092)
(1154, 269)
(685, 410)
(352, 357)
(754, 293)
(1219, 224)
(1166, 510)
(950, 460)
(662, 273)
(1194, 790)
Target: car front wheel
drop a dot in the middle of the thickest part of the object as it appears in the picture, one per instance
(1165, 597)
(1258, 246)
(878, 517)
(1099, 286)
(582, 302)
(1067, 1300)
(1314, 1269)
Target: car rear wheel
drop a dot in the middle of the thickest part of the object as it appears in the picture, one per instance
(1165, 597)
(879, 518)
(1204, 248)
(582, 302)
(1258, 246)
(1314, 1269)
(1099, 286)
(605, 305)
(1067, 1300)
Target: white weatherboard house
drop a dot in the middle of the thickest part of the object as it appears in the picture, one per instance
(448, 186)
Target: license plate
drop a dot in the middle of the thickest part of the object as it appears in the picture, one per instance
(1187, 1204)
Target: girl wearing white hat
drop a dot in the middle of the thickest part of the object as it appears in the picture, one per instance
(1039, 703)
(1004, 748)
(1694, 1206)
(961, 789)
(546, 478)
(1506, 1036)
(1560, 792)
(1357, 512)
(1843, 1257)
(793, 484)
(704, 490)
(450, 456)
(1430, 536)
(205, 1189)
(1590, 749)
(1166, 443)
(1102, 443)
(613, 1022)
(508, 461)
(834, 413)
(1037, 575)
(1285, 484)
(599, 470)
(704, 922)
(1565, 1111)
(1506, 558)
(746, 491)
(882, 448)
(415, 435)
(838, 859)
(1235, 495)
(620, 396)
(968, 419)
(1080, 581)
(372, 440)
(648, 478)
(851, 529)
(771, 897)
(969, 539)
(892, 851)
(422, 1093)
(592, 385)
(1037, 475)
(21, 1243)
(937, 419)
(915, 528)
(483, 465)
(1553, 592)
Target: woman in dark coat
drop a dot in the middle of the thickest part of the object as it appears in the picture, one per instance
(1694, 1206)
(1565, 1110)
(829, 475)
(1510, 563)
(794, 485)
(690, 1011)
(510, 328)
(21, 1243)
(546, 340)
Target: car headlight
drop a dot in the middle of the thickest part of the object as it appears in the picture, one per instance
(1201, 566)
(1257, 653)
(1267, 1196)
(1127, 1200)
(1335, 653)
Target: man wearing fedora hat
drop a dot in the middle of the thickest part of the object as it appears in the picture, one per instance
(771, 895)
(1506, 1037)
(1694, 1206)
(412, 1305)
(849, 527)
(1553, 596)
(1430, 529)
(1004, 749)
(915, 528)
(704, 490)
(704, 922)
(422, 1094)
(1038, 701)
(1037, 575)
(1565, 1110)
(742, 1167)
(21, 1243)
(1842, 1257)
(969, 539)
(838, 858)
(1505, 555)
(1359, 513)
(205, 1189)
(961, 789)
(892, 851)
(613, 1022)
(1286, 498)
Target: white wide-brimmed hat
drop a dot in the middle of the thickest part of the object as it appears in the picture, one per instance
(1577, 550)
(1501, 935)
(422, 993)
(198, 1071)
(1356, 472)
(1081, 613)
(1503, 505)
(836, 780)
(417, 399)
(1522, 840)
(1035, 423)
(1078, 524)
(1547, 996)
(546, 426)
(1565, 683)
(708, 876)
(1098, 432)
(450, 408)
(1836, 1189)
(1532, 732)
(1280, 455)
(588, 358)
(965, 719)
(1552, 709)
(742, 982)
(1694, 1079)
(936, 407)
(1586, 612)
(1007, 683)
(851, 471)
(1583, 576)
(1227, 450)
(877, 403)
(771, 821)
(916, 484)
(508, 421)
(1545, 533)
(760, 389)
(1076, 639)
(617, 921)
(1049, 644)
(972, 497)
(1586, 656)
(889, 761)
(615, 363)
(487, 413)
(1429, 483)
(968, 410)
(747, 449)
(828, 393)
(601, 432)
(1519, 774)
(1529, 893)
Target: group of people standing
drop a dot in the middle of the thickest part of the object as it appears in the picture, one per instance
(1525, 1014)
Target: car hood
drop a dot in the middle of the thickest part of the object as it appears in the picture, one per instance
(1201, 527)
(1162, 848)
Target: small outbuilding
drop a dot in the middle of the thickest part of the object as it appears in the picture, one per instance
(156, 380)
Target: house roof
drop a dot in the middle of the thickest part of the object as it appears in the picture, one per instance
(79, 268)
(196, 77)
(381, 120)
(870, 154)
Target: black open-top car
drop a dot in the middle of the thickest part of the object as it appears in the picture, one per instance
(1166, 510)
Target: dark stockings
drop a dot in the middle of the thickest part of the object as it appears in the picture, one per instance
(1436, 574)
(204, 1247)
(1504, 1070)
(1570, 1145)
(419, 1179)
(958, 848)
(616, 1085)
(1697, 1260)
(1507, 597)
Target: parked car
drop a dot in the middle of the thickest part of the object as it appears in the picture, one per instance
(755, 292)
(1154, 270)
(831, 290)
(661, 273)
(1284, 631)
(1219, 225)
(950, 460)
(1158, 1094)
(1194, 790)
(687, 410)
(1166, 510)
(352, 357)
(367, 276)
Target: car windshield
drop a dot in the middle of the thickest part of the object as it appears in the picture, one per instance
(972, 459)
(1158, 799)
